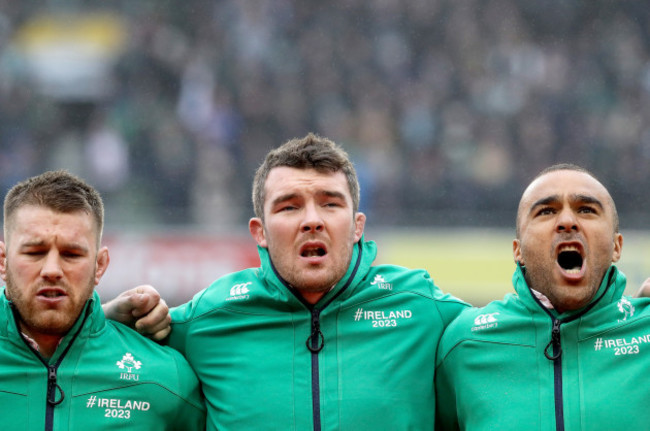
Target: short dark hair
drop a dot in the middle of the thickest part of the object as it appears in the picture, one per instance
(310, 152)
(569, 167)
(56, 190)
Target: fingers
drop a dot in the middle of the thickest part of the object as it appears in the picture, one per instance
(143, 309)
(143, 300)
(156, 323)
(133, 302)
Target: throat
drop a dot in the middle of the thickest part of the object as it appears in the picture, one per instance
(44, 344)
(311, 297)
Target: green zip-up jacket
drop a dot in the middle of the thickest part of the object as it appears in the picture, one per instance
(103, 376)
(362, 358)
(516, 365)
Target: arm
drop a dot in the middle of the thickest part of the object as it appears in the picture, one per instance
(141, 308)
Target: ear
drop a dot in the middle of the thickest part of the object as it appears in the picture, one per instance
(618, 247)
(516, 251)
(359, 226)
(256, 228)
(103, 259)
(3, 261)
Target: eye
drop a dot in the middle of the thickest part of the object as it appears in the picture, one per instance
(587, 210)
(71, 254)
(545, 211)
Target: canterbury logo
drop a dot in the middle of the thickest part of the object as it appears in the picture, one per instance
(240, 289)
(483, 319)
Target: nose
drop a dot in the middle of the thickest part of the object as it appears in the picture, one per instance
(567, 221)
(312, 221)
(51, 269)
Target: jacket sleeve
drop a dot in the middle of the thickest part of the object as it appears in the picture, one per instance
(182, 317)
(446, 415)
(191, 413)
(449, 307)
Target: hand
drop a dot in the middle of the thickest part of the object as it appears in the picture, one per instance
(644, 290)
(141, 308)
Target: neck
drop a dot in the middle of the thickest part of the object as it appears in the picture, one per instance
(312, 297)
(46, 344)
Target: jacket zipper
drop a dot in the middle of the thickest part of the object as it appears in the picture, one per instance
(316, 339)
(315, 344)
(52, 385)
(556, 357)
(52, 401)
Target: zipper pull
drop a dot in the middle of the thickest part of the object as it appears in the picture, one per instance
(52, 386)
(316, 341)
(555, 342)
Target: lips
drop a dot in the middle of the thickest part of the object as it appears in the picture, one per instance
(51, 292)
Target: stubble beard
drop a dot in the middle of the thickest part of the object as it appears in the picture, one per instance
(48, 322)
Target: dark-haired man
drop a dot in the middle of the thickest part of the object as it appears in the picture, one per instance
(316, 338)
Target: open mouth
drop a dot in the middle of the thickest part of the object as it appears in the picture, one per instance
(51, 293)
(570, 260)
(313, 252)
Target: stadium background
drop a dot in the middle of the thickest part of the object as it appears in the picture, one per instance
(447, 108)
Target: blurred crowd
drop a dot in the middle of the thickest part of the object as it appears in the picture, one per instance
(447, 107)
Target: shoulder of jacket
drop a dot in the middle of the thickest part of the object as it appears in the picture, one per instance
(148, 351)
(230, 287)
(510, 306)
(400, 279)
(629, 309)
(478, 323)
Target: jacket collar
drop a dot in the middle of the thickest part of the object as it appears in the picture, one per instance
(90, 321)
(610, 290)
(363, 254)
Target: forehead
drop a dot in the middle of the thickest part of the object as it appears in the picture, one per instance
(564, 185)
(286, 180)
(32, 222)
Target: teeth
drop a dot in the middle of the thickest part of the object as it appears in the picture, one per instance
(51, 294)
(313, 252)
(568, 248)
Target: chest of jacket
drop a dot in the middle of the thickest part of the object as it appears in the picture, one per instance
(508, 372)
(103, 389)
(365, 361)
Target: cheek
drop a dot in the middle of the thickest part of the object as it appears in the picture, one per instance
(21, 270)
(531, 251)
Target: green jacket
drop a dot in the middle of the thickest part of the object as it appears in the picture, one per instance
(515, 365)
(103, 376)
(362, 358)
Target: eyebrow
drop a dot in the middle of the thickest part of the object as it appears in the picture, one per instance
(577, 197)
(289, 196)
(544, 201)
(41, 243)
(332, 194)
(587, 199)
(283, 198)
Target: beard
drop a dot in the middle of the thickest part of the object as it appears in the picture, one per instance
(35, 319)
